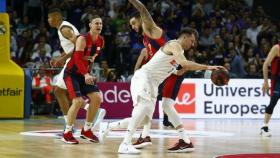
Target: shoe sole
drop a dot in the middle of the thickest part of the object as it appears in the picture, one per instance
(91, 140)
(67, 142)
(142, 145)
(129, 153)
(187, 150)
(265, 135)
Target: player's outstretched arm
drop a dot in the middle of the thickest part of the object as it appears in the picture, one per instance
(176, 49)
(148, 22)
(144, 13)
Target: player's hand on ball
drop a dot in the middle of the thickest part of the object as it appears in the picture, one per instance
(215, 68)
(220, 77)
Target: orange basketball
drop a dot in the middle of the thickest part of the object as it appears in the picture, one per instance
(220, 77)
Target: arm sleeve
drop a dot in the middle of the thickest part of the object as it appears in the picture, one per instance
(78, 60)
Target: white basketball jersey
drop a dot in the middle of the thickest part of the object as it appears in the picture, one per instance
(66, 44)
(160, 66)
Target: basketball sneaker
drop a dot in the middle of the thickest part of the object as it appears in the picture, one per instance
(181, 147)
(89, 136)
(60, 135)
(103, 131)
(128, 149)
(265, 132)
(142, 142)
(69, 139)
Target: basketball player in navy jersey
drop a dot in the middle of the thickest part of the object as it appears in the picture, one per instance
(79, 82)
(273, 58)
(67, 35)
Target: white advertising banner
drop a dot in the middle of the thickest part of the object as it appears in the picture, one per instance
(241, 98)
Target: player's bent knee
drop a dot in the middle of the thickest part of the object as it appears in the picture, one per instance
(78, 102)
(96, 97)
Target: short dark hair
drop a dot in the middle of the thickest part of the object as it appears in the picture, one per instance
(135, 15)
(189, 31)
(93, 17)
(55, 10)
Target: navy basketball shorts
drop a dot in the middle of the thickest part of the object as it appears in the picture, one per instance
(77, 86)
(170, 87)
(275, 87)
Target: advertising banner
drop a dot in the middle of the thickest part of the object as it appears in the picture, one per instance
(241, 98)
(116, 100)
(11, 76)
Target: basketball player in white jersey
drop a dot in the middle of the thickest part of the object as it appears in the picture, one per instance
(67, 35)
(145, 82)
(145, 25)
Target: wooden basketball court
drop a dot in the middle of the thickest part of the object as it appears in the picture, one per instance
(211, 137)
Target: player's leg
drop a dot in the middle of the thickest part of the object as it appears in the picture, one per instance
(169, 94)
(169, 89)
(60, 92)
(275, 94)
(71, 116)
(184, 144)
(141, 110)
(95, 101)
(73, 87)
(265, 131)
(106, 127)
(144, 140)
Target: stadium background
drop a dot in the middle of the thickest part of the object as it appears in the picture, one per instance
(236, 34)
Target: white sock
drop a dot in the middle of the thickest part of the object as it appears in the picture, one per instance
(265, 124)
(65, 118)
(68, 128)
(146, 130)
(86, 106)
(88, 125)
(183, 135)
(119, 124)
(128, 136)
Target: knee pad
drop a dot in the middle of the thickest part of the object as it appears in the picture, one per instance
(273, 101)
(168, 108)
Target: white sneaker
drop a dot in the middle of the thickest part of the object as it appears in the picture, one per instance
(265, 132)
(128, 149)
(103, 131)
(99, 118)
